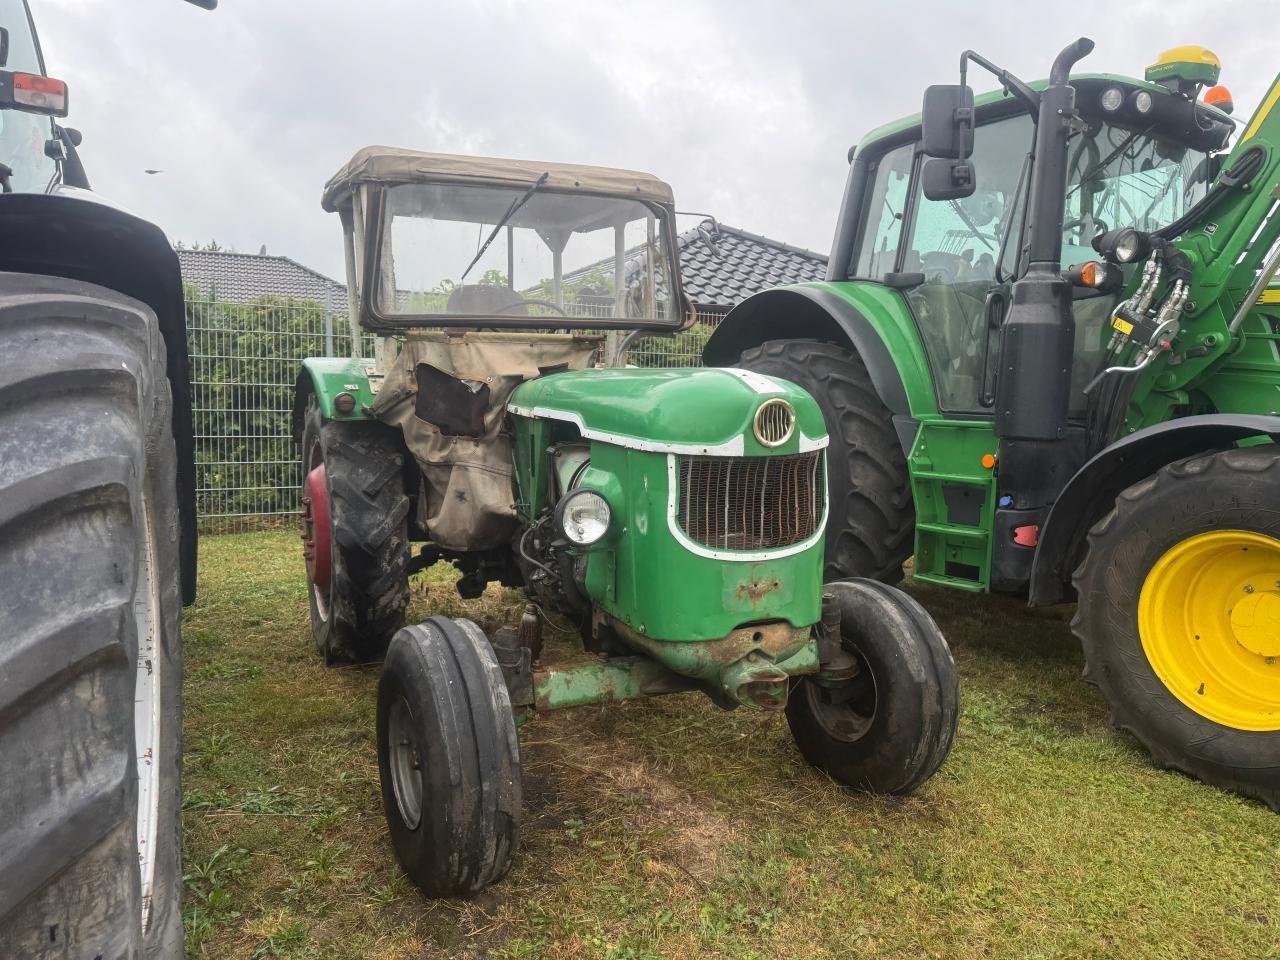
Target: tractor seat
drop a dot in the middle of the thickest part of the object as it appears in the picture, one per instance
(486, 299)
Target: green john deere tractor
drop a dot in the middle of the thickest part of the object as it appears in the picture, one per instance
(1049, 367)
(675, 517)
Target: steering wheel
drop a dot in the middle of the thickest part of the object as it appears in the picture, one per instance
(535, 303)
(948, 266)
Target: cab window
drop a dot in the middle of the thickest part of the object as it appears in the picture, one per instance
(886, 200)
(957, 245)
(23, 135)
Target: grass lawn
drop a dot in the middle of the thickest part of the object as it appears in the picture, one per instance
(669, 828)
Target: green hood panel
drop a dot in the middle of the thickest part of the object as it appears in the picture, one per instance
(687, 410)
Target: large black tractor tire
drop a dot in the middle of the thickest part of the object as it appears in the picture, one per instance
(871, 522)
(449, 758)
(358, 600)
(1176, 589)
(90, 604)
(888, 729)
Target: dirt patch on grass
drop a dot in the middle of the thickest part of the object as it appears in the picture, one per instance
(612, 780)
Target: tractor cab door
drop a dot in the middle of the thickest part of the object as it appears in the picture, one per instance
(967, 251)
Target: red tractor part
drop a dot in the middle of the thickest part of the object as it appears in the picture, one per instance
(316, 546)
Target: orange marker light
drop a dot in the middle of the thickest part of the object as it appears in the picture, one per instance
(988, 461)
(1219, 97)
(1090, 273)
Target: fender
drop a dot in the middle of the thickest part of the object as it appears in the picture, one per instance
(1093, 490)
(325, 378)
(864, 316)
(82, 239)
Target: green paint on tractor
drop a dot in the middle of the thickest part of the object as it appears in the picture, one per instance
(329, 377)
(674, 519)
(1048, 308)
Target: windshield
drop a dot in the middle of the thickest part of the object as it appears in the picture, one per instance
(1126, 178)
(554, 255)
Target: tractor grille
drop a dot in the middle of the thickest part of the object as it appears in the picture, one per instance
(751, 503)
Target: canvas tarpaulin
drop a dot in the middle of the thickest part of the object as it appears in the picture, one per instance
(465, 456)
(395, 165)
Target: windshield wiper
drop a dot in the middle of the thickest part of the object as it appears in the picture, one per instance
(502, 222)
(1101, 164)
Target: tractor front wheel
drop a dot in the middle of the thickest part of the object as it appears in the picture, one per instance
(355, 536)
(1179, 615)
(871, 520)
(448, 757)
(887, 728)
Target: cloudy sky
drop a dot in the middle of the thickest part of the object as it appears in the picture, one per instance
(746, 107)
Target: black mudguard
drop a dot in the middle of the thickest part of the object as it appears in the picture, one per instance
(85, 240)
(1093, 490)
(812, 313)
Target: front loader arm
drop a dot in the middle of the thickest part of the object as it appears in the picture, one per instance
(1225, 238)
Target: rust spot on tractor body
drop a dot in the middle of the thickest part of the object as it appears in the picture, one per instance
(757, 590)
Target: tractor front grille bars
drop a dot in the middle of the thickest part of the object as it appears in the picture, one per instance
(751, 503)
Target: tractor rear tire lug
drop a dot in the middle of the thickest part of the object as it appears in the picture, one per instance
(1228, 491)
(368, 518)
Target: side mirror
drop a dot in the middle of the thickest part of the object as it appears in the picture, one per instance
(946, 133)
(947, 121)
(943, 179)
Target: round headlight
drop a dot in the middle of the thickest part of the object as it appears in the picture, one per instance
(1129, 247)
(1123, 245)
(583, 516)
(1112, 97)
(1143, 101)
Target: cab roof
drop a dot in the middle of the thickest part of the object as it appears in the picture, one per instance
(904, 124)
(392, 165)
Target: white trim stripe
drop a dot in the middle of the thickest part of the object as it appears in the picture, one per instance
(733, 447)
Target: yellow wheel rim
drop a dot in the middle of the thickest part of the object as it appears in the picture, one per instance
(1209, 620)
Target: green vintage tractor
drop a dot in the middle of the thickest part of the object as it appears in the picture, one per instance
(1049, 367)
(674, 517)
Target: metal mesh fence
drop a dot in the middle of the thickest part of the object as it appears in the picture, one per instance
(681, 350)
(244, 362)
(245, 358)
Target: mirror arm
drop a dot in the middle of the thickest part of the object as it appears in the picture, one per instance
(1010, 83)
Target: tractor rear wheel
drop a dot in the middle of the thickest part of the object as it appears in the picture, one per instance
(448, 757)
(871, 521)
(355, 536)
(888, 728)
(1179, 615)
(90, 642)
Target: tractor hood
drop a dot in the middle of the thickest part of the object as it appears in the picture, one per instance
(708, 411)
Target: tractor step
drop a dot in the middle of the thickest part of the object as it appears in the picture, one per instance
(971, 480)
(953, 530)
(954, 493)
(954, 583)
